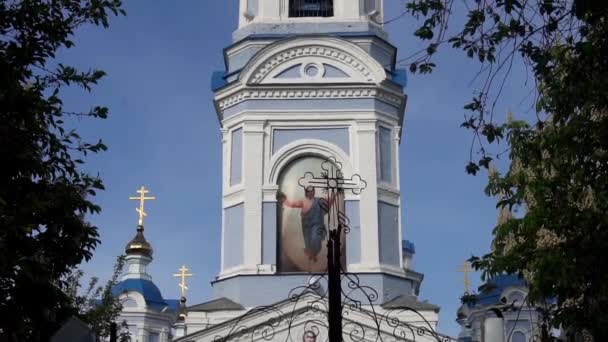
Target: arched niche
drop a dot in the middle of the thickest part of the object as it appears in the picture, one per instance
(302, 148)
(305, 215)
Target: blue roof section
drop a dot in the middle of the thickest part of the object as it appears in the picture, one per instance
(218, 80)
(408, 246)
(173, 304)
(400, 77)
(489, 293)
(146, 288)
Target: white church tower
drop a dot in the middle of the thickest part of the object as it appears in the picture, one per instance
(306, 80)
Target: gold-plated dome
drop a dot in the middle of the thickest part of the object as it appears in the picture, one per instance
(139, 245)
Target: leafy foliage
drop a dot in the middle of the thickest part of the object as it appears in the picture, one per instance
(558, 175)
(95, 306)
(43, 192)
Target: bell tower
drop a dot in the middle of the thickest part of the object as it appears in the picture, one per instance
(306, 80)
(309, 17)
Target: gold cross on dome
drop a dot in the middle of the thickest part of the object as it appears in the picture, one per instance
(465, 269)
(183, 274)
(142, 199)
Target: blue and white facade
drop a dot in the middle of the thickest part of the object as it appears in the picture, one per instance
(290, 94)
(500, 312)
(303, 79)
(299, 87)
(147, 315)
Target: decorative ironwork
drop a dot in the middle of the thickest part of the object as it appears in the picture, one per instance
(318, 307)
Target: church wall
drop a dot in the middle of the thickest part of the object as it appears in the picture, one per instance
(145, 325)
(280, 138)
(236, 156)
(283, 117)
(388, 225)
(233, 236)
(337, 136)
(385, 153)
(267, 107)
(353, 238)
(276, 287)
(269, 232)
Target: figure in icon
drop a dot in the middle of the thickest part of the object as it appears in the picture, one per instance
(313, 210)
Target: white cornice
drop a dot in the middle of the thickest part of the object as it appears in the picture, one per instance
(281, 93)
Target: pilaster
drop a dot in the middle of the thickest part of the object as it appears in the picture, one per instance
(253, 164)
(366, 136)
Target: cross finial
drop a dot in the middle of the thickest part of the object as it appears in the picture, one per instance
(141, 198)
(183, 274)
(465, 269)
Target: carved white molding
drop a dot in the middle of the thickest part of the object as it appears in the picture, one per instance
(330, 55)
(305, 147)
(337, 50)
(310, 93)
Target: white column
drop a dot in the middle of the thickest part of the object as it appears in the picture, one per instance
(366, 136)
(253, 164)
(242, 9)
(397, 185)
(225, 185)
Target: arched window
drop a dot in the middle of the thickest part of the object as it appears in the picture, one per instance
(311, 8)
(303, 221)
(518, 336)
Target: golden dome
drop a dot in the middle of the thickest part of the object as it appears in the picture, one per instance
(139, 245)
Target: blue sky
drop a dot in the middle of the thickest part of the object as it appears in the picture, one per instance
(163, 133)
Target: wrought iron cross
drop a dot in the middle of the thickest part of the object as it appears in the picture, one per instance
(333, 182)
(332, 178)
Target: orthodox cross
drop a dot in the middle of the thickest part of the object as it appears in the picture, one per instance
(183, 274)
(465, 269)
(332, 181)
(141, 198)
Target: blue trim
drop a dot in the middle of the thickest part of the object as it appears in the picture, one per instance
(408, 246)
(172, 304)
(218, 80)
(146, 288)
(400, 77)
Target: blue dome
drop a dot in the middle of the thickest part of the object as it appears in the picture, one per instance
(146, 288)
(489, 293)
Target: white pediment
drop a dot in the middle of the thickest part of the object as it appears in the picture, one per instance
(312, 60)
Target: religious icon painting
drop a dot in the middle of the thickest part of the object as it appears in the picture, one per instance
(304, 217)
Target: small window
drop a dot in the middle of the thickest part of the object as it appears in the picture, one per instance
(311, 8)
